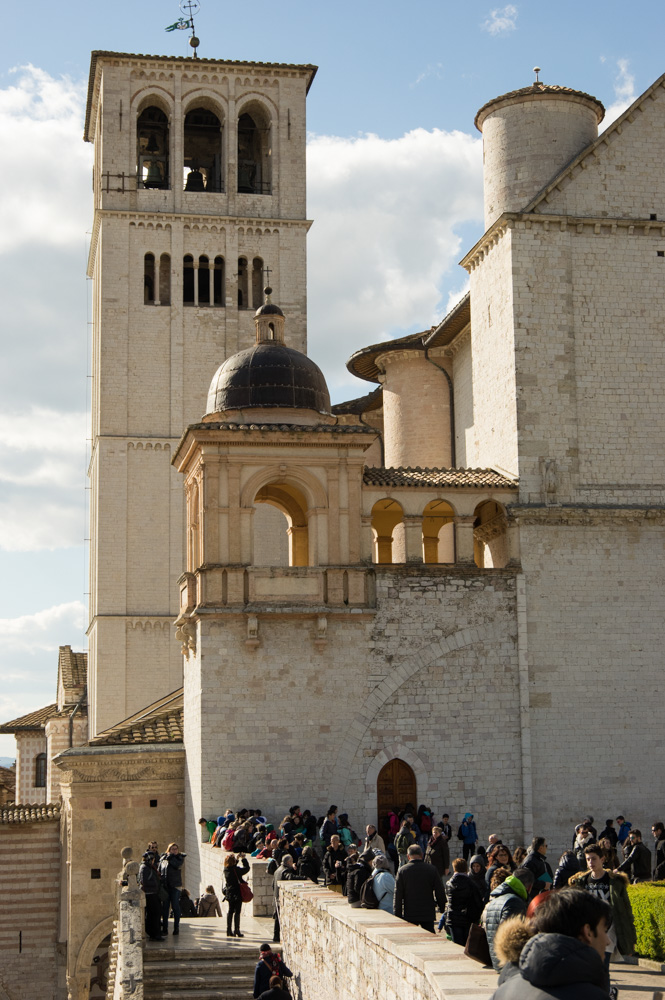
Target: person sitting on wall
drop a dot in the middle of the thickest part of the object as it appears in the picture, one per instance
(334, 861)
(285, 873)
(269, 965)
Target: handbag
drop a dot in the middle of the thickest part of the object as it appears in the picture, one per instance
(246, 893)
(476, 946)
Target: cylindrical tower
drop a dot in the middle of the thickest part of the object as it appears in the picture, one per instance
(416, 410)
(528, 137)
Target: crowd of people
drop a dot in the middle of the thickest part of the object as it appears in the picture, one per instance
(406, 870)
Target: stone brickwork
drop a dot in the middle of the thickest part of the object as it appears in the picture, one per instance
(31, 964)
(349, 952)
(210, 864)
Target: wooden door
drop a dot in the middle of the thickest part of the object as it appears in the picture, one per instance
(395, 786)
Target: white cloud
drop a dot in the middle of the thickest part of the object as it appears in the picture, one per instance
(435, 71)
(42, 631)
(45, 163)
(501, 20)
(387, 215)
(624, 92)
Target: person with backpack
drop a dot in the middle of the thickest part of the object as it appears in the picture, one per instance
(345, 833)
(403, 841)
(381, 886)
(269, 964)
(425, 823)
(357, 874)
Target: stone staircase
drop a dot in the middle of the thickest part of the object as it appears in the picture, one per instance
(221, 973)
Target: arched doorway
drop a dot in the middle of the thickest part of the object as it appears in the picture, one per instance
(395, 786)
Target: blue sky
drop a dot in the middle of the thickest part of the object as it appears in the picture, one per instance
(394, 188)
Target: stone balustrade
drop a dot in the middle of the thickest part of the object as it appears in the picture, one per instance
(336, 951)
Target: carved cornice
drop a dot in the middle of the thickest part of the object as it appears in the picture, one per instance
(562, 515)
(147, 765)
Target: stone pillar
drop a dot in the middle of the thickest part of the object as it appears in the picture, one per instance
(413, 538)
(464, 538)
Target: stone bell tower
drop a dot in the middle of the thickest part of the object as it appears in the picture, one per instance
(199, 188)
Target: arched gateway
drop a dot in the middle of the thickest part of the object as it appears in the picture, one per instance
(395, 786)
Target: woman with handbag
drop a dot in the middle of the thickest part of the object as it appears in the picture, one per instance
(233, 882)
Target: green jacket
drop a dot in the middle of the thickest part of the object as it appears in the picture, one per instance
(622, 912)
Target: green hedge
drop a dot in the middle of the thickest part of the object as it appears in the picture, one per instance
(648, 902)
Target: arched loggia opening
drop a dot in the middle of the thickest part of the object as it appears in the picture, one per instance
(490, 535)
(293, 505)
(438, 532)
(386, 516)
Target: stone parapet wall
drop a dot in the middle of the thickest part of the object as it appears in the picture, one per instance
(259, 879)
(337, 951)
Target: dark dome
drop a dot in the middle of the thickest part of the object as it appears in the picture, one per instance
(268, 374)
(269, 309)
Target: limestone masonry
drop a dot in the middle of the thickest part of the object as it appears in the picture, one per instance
(449, 590)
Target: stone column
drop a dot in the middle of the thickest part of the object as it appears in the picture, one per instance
(464, 538)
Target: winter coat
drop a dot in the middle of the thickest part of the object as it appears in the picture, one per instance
(568, 866)
(505, 901)
(638, 863)
(209, 905)
(622, 913)
(276, 993)
(274, 966)
(329, 827)
(511, 936)
(556, 967)
(494, 867)
(416, 886)
(479, 879)
(384, 889)
(232, 877)
(611, 835)
(623, 831)
(333, 875)
(356, 876)
(169, 869)
(309, 867)
(464, 901)
(149, 879)
(537, 863)
(375, 843)
(438, 854)
(659, 868)
(404, 839)
(467, 832)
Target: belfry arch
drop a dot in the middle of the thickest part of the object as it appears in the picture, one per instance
(293, 504)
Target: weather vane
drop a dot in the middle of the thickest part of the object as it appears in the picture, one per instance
(189, 8)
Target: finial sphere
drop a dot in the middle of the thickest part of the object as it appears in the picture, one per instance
(536, 69)
(194, 42)
(268, 290)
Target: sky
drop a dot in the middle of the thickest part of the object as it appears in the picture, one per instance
(394, 189)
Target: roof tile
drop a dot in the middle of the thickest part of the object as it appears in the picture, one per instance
(33, 720)
(164, 725)
(30, 814)
(428, 478)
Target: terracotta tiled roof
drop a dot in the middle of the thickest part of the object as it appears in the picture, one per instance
(30, 814)
(536, 90)
(7, 776)
(158, 723)
(455, 478)
(73, 667)
(372, 401)
(33, 720)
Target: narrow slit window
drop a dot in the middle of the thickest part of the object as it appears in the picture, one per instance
(204, 281)
(40, 770)
(149, 279)
(188, 280)
(218, 282)
(165, 279)
(257, 282)
(243, 297)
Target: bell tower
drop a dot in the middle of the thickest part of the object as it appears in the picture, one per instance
(199, 187)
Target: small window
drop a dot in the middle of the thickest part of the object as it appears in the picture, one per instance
(257, 282)
(243, 290)
(108, 805)
(40, 770)
(95, 873)
(218, 282)
(204, 281)
(149, 279)
(165, 280)
(188, 280)
(153, 803)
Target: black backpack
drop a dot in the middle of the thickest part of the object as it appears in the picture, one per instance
(368, 900)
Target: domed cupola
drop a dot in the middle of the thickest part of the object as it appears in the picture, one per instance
(269, 377)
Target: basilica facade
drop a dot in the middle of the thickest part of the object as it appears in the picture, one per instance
(448, 590)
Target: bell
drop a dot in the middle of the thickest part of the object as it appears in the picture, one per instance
(154, 177)
(195, 180)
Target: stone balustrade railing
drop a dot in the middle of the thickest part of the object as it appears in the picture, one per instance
(125, 979)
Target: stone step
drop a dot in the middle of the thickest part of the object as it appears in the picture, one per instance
(167, 978)
(161, 952)
(218, 992)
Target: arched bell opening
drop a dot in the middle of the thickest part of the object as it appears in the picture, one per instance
(490, 535)
(438, 532)
(243, 284)
(152, 170)
(254, 151)
(387, 529)
(396, 788)
(202, 161)
(293, 505)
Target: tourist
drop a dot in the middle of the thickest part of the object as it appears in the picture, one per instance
(468, 835)
(499, 857)
(609, 832)
(492, 841)
(356, 876)
(536, 862)
(208, 904)
(187, 904)
(309, 865)
(334, 862)
(242, 838)
(329, 826)
(234, 869)
(438, 852)
(208, 827)
(623, 830)
(583, 837)
(285, 873)
(424, 822)
(373, 842)
(519, 855)
(658, 831)
(149, 880)
(509, 941)
(564, 957)
(309, 823)
(508, 900)
(464, 904)
(608, 853)
(346, 834)
(446, 828)
(383, 883)
(610, 887)
(276, 991)
(638, 860)
(418, 887)
(403, 841)
(477, 875)
(170, 865)
(567, 867)
(269, 964)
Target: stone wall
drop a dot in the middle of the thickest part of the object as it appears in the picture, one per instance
(211, 872)
(31, 967)
(335, 951)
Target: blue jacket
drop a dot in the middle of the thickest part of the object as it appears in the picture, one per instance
(624, 830)
(468, 831)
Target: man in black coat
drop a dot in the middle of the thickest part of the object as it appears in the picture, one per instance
(417, 886)
(658, 831)
(149, 880)
(638, 862)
